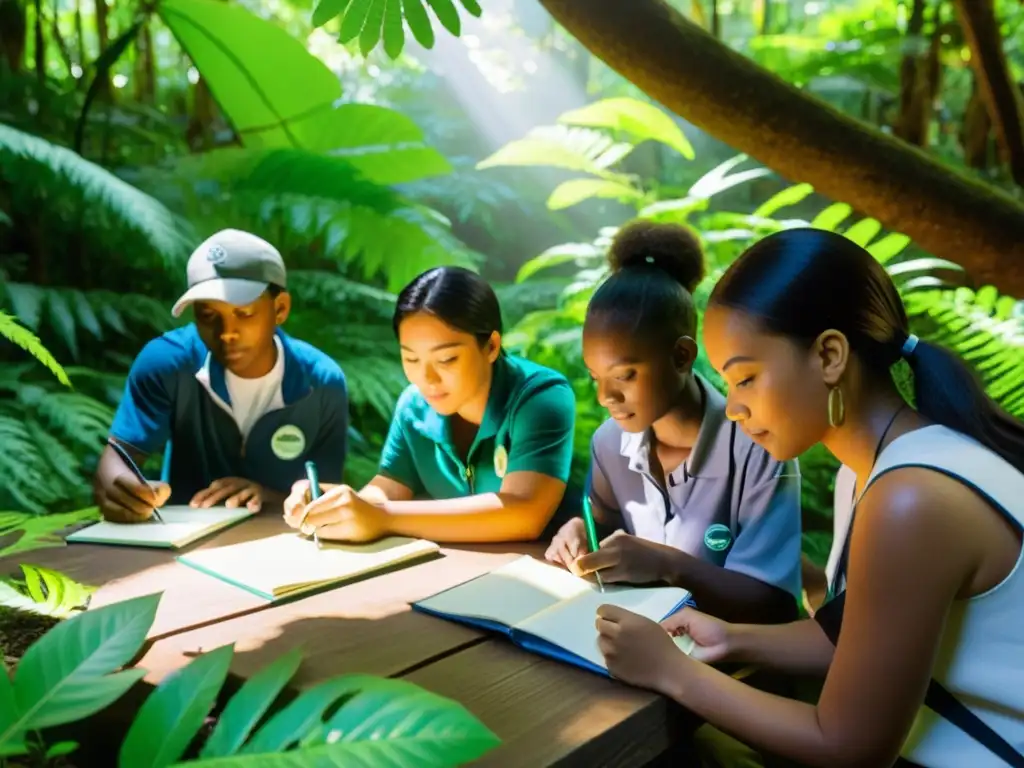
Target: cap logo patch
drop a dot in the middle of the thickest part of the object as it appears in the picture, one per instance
(216, 254)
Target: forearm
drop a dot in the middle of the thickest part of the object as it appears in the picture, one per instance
(486, 517)
(798, 648)
(729, 595)
(785, 727)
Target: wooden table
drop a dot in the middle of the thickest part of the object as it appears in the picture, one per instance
(546, 713)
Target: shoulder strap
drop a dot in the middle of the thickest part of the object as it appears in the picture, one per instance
(937, 697)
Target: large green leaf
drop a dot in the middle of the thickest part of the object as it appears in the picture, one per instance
(247, 706)
(69, 673)
(24, 338)
(172, 714)
(262, 77)
(642, 121)
(381, 722)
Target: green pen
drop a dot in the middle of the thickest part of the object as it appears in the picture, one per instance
(314, 493)
(588, 521)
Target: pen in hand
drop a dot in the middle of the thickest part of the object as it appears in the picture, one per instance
(591, 526)
(314, 493)
(127, 459)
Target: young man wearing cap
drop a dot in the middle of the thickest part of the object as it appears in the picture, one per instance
(239, 404)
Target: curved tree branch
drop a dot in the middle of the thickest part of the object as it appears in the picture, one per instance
(801, 137)
(981, 30)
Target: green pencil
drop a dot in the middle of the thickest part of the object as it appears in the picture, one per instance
(588, 521)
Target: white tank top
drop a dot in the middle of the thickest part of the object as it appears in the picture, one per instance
(980, 658)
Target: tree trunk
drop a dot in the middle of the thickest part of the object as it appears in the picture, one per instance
(13, 29)
(801, 137)
(981, 29)
(977, 128)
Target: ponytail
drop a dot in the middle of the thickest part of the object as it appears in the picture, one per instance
(948, 392)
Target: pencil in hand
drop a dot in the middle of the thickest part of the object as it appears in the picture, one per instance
(128, 462)
(591, 526)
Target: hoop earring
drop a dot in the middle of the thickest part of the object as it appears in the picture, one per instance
(836, 407)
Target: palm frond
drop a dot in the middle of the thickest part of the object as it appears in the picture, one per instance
(47, 172)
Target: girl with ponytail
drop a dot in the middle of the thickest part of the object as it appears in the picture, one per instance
(921, 640)
(685, 496)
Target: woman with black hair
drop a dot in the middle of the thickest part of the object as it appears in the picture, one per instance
(692, 500)
(480, 445)
(922, 640)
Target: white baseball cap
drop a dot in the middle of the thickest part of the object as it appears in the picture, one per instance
(231, 266)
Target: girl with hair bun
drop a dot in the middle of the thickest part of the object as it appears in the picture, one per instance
(685, 496)
(921, 641)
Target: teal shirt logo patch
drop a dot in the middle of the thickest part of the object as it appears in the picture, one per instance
(717, 537)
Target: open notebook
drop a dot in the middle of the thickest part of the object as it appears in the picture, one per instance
(182, 525)
(288, 564)
(547, 610)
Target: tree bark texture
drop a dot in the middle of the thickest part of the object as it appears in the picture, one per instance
(981, 30)
(801, 137)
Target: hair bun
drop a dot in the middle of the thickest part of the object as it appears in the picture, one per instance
(673, 248)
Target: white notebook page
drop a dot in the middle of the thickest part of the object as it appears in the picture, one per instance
(181, 525)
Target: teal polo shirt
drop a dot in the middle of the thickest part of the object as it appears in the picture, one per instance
(527, 427)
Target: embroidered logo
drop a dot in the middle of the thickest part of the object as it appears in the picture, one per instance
(288, 442)
(717, 537)
(500, 461)
(216, 254)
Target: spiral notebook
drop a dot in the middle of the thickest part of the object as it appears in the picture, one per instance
(549, 611)
(182, 525)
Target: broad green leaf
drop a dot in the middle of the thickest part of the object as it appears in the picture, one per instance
(386, 146)
(247, 706)
(473, 7)
(863, 231)
(172, 714)
(832, 217)
(783, 199)
(557, 255)
(574, 191)
(327, 10)
(414, 723)
(260, 75)
(419, 22)
(66, 674)
(298, 718)
(642, 121)
(394, 34)
(8, 709)
(60, 749)
(888, 247)
(447, 15)
(355, 19)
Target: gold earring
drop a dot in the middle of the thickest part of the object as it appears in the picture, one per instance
(836, 407)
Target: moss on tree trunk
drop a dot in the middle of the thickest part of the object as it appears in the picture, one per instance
(801, 137)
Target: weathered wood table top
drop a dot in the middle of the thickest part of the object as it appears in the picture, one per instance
(546, 713)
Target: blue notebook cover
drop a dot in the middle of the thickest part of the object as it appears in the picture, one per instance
(523, 638)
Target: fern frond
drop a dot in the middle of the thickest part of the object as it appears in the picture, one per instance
(40, 531)
(45, 592)
(24, 338)
(984, 328)
(24, 473)
(24, 156)
(74, 416)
